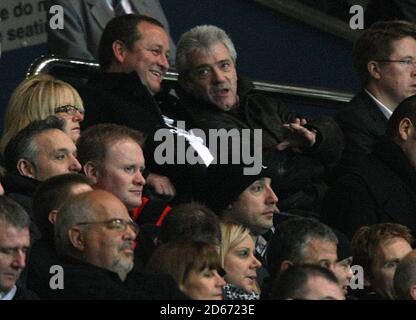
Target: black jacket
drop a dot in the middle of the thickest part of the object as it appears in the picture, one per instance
(25, 294)
(381, 189)
(301, 176)
(363, 125)
(122, 99)
(21, 189)
(83, 281)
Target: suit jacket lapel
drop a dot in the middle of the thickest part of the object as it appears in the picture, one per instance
(101, 12)
(379, 121)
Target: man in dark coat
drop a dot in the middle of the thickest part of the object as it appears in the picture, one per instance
(214, 97)
(47, 200)
(95, 238)
(384, 59)
(38, 152)
(133, 58)
(382, 188)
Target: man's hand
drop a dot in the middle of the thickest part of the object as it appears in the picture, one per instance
(161, 184)
(297, 136)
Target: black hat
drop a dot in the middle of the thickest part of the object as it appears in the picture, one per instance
(225, 183)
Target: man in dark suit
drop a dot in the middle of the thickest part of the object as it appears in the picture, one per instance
(385, 60)
(382, 188)
(85, 21)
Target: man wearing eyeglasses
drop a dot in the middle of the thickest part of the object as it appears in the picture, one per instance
(96, 236)
(384, 58)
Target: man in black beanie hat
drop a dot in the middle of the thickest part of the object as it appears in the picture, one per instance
(240, 198)
(243, 199)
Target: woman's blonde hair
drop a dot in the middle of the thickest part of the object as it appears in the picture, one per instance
(231, 236)
(35, 99)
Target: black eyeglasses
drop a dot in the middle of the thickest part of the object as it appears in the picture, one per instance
(69, 109)
(115, 224)
(408, 62)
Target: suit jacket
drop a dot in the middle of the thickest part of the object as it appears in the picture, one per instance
(381, 189)
(363, 124)
(84, 22)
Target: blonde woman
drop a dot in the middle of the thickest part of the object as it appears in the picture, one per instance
(38, 97)
(240, 265)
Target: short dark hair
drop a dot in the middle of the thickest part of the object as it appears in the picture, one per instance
(293, 282)
(94, 141)
(122, 28)
(13, 213)
(51, 195)
(23, 145)
(406, 109)
(192, 222)
(292, 237)
(376, 44)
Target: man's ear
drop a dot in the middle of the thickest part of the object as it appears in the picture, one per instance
(76, 238)
(286, 264)
(90, 170)
(374, 70)
(119, 50)
(26, 168)
(405, 129)
(52, 216)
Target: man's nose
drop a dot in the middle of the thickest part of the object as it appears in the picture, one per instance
(19, 259)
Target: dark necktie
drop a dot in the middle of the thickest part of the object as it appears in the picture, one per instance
(118, 8)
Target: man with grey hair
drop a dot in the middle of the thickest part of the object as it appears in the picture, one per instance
(95, 237)
(14, 244)
(40, 151)
(214, 96)
(405, 278)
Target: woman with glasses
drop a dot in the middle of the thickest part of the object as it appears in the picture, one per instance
(38, 97)
(195, 266)
(237, 252)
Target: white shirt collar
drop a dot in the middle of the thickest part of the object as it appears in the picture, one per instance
(9, 295)
(386, 111)
(125, 3)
